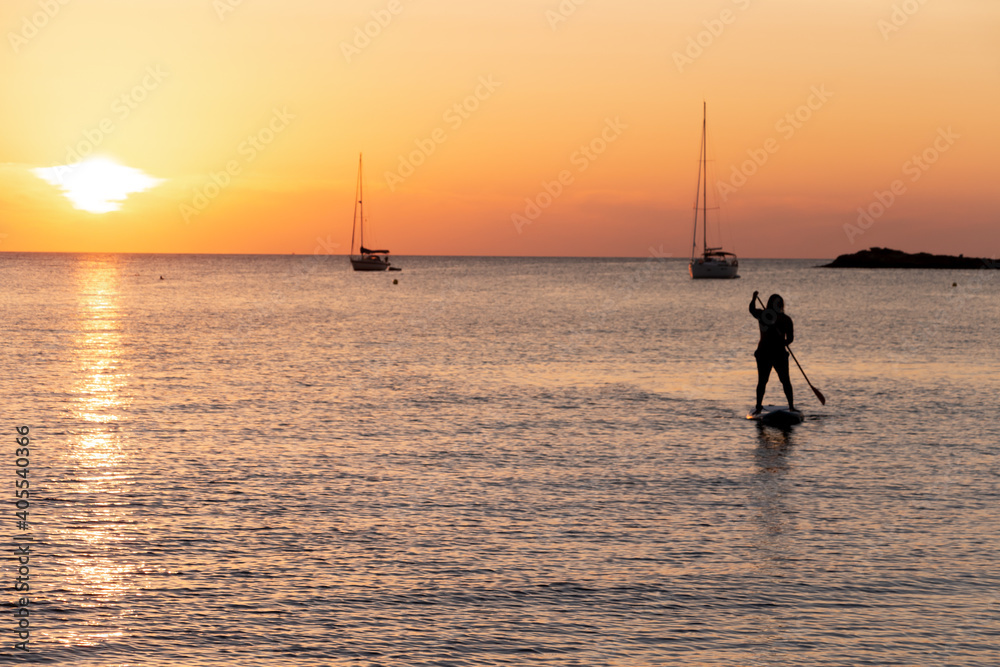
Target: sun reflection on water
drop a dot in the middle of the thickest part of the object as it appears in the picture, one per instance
(100, 573)
(102, 387)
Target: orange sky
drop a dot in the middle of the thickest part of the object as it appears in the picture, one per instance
(285, 94)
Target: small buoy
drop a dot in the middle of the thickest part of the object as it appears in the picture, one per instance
(954, 284)
(161, 277)
(395, 281)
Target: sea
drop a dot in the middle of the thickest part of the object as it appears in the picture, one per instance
(274, 460)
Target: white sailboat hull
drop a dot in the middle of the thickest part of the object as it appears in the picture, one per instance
(714, 268)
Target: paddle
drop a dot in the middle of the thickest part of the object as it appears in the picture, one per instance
(819, 394)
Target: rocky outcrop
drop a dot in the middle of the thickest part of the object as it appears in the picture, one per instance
(886, 258)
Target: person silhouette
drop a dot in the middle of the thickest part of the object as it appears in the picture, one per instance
(776, 332)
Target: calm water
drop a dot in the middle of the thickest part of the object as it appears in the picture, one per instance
(275, 460)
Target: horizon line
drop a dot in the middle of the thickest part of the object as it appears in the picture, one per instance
(346, 255)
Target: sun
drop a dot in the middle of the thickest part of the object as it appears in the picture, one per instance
(97, 185)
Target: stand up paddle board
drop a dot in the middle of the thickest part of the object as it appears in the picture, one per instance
(775, 415)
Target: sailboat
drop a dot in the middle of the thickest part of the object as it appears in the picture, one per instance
(366, 259)
(713, 262)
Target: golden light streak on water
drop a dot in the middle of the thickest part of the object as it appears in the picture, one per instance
(101, 577)
(103, 386)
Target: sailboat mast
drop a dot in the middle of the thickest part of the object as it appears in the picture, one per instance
(361, 199)
(354, 222)
(704, 157)
(697, 195)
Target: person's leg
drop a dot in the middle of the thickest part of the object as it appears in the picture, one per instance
(781, 368)
(763, 372)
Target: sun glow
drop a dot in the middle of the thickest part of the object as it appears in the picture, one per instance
(97, 185)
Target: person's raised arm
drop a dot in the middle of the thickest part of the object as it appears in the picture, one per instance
(753, 305)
